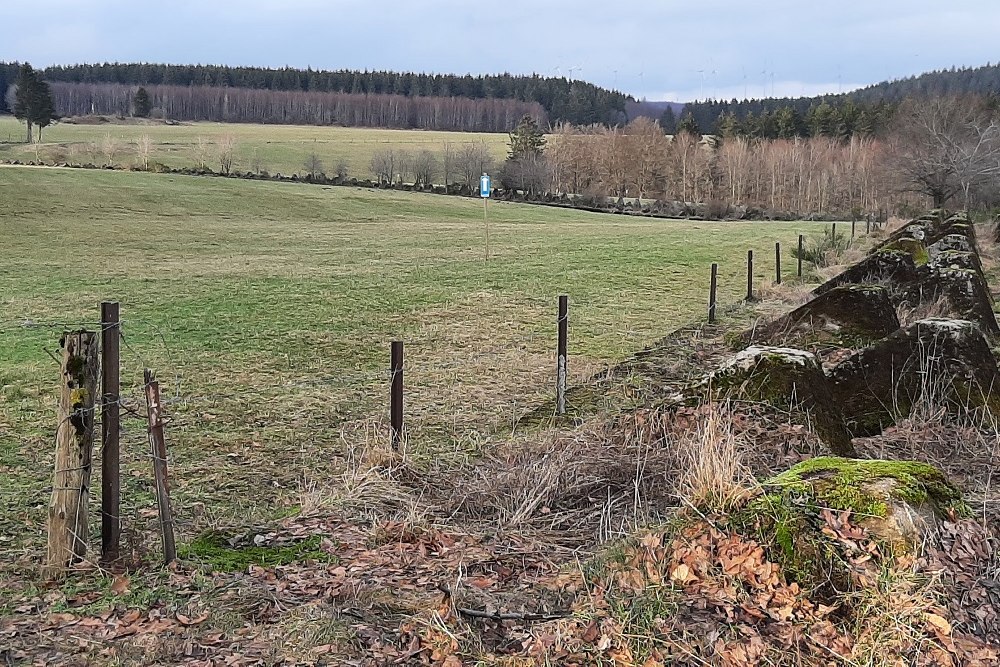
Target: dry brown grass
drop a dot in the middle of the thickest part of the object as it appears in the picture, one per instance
(939, 307)
(714, 475)
(892, 618)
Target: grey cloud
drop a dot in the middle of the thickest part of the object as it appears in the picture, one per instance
(646, 47)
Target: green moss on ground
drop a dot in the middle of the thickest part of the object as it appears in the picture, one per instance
(214, 549)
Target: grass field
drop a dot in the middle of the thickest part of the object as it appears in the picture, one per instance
(267, 310)
(278, 148)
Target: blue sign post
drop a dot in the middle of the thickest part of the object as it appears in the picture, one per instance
(484, 192)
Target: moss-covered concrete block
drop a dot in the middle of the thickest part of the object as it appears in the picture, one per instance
(888, 265)
(846, 316)
(896, 502)
(943, 362)
(786, 378)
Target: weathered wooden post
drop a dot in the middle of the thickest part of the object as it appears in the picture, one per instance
(777, 262)
(158, 450)
(712, 292)
(68, 530)
(110, 426)
(562, 348)
(801, 243)
(749, 275)
(396, 393)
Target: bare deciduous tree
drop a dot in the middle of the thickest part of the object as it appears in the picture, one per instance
(342, 169)
(383, 165)
(226, 152)
(447, 162)
(202, 152)
(313, 165)
(424, 167)
(256, 163)
(143, 148)
(109, 148)
(945, 146)
(473, 160)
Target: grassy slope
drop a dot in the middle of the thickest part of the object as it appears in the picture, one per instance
(267, 310)
(280, 148)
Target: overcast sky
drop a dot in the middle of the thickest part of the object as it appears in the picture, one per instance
(658, 49)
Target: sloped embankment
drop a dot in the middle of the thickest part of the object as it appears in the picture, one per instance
(858, 558)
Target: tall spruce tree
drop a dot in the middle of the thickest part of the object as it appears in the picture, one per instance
(24, 97)
(33, 102)
(141, 105)
(527, 140)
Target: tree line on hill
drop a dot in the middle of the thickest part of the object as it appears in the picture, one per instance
(864, 112)
(763, 119)
(562, 99)
(245, 105)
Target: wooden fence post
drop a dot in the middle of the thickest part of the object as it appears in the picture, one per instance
(712, 293)
(749, 275)
(158, 450)
(110, 426)
(777, 262)
(801, 243)
(562, 353)
(853, 223)
(68, 530)
(396, 393)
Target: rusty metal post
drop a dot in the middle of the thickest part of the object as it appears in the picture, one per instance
(749, 275)
(801, 243)
(712, 293)
(158, 450)
(110, 428)
(396, 393)
(561, 354)
(777, 262)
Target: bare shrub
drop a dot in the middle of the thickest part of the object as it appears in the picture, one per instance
(110, 146)
(226, 152)
(424, 167)
(256, 163)
(202, 153)
(384, 164)
(143, 148)
(313, 165)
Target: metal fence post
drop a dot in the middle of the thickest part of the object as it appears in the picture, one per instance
(712, 293)
(110, 428)
(777, 262)
(396, 393)
(563, 323)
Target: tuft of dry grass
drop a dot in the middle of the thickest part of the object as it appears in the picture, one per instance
(714, 475)
(893, 617)
(939, 307)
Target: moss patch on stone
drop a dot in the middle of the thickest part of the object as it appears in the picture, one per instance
(910, 246)
(788, 516)
(839, 483)
(214, 549)
(789, 379)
